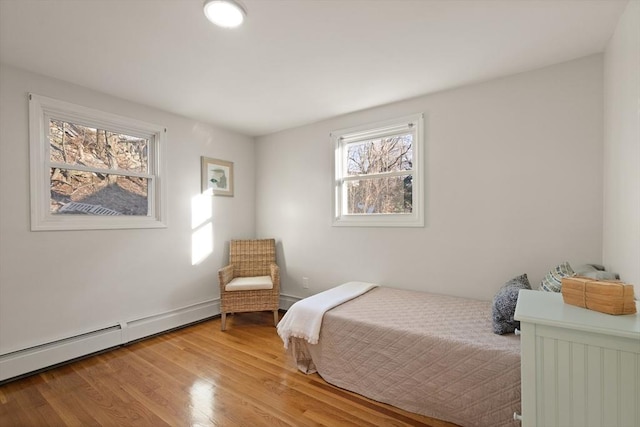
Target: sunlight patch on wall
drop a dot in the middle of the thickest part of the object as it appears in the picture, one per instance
(201, 210)
(202, 236)
(201, 243)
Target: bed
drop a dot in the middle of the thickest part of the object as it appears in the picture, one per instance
(430, 354)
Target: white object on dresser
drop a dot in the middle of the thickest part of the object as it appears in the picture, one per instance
(579, 367)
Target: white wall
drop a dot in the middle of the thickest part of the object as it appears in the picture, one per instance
(56, 284)
(621, 236)
(513, 185)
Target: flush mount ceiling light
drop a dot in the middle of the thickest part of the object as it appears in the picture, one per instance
(224, 13)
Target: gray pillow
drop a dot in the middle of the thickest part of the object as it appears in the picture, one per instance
(595, 271)
(504, 305)
(601, 275)
(581, 270)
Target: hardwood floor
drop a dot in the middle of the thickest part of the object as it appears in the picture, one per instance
(197, 376)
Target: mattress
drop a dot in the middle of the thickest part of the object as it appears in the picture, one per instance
(430, 354)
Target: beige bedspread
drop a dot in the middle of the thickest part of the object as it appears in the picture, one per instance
(425, 353)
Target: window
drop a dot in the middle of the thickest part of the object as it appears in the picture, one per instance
(378, 174)
(93, 170)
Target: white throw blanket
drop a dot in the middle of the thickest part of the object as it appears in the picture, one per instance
(304, 318)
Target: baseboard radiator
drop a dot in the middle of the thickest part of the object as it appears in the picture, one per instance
(31, 359)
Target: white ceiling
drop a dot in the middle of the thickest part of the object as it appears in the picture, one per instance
(294, 62)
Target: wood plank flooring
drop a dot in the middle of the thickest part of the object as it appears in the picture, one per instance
(195, 376)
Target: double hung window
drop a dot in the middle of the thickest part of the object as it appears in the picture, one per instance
(93, 170)
(378, 174)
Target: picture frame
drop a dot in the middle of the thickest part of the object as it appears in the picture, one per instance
(217, 177)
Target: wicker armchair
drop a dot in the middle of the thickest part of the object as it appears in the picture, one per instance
(251, 281)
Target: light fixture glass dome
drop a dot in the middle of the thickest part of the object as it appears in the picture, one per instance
(224, 13)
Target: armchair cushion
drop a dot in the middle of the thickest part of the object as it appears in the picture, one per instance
(249, 283)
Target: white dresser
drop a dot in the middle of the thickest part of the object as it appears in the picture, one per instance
(579, 367)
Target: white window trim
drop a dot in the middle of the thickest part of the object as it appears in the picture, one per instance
(341, 137)
(41, 109)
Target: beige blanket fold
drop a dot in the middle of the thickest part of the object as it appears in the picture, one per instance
(304, 318)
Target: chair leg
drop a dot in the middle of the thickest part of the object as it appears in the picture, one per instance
(275, 317)
(223, 325)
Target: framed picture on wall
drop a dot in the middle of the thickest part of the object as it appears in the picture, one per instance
(217, 177)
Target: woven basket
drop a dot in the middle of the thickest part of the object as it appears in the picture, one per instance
(605, 296)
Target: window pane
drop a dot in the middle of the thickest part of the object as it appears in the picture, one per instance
(97, 148)
(389, 154)
(76, 192)
(388, 195)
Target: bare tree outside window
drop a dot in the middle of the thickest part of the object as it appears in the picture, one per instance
(97, 172)
(382, 187)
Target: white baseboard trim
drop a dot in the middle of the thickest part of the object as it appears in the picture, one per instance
(32, 359)
(42, 356)
(286, 301)
(35, 358)
(151, 325)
